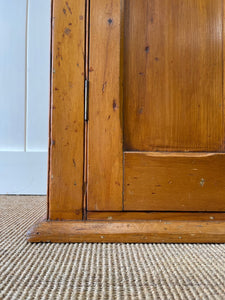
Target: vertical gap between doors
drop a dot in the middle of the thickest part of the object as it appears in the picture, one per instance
(122, 24)
(86, 72)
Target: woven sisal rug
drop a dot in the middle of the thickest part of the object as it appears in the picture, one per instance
(101, 271)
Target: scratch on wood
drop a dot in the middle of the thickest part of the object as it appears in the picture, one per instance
(114, 104)
(74, 163)
(104, 86)
(202, 182)
(69, 8)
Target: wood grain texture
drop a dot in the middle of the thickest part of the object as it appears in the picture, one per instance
(128, 232)
(169, 216)
(173, 75)
(105, 150)
(67, 111)
(174, 182)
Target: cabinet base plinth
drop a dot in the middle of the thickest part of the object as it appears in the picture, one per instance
(128, 232)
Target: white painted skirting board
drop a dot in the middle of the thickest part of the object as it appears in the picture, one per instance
(23, 172)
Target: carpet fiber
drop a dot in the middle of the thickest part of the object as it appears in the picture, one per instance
(101, 271)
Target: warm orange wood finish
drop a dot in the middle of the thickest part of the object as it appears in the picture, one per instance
(152, 154)
(170, 58)
(129, 232)
(67, 111)
(174, 182)
(160, 216)
(173, 75)
(105, 158)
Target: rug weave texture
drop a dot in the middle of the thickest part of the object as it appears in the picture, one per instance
(101, 271)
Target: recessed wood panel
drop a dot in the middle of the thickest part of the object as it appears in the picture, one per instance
(173, 75)
(174, 181)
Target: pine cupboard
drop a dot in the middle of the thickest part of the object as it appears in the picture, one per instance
(137, 122)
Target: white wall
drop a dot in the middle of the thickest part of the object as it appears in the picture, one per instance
(24, 95)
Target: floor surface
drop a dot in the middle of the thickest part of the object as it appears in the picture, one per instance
(101, 271)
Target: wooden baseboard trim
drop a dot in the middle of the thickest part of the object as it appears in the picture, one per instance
(128, 232)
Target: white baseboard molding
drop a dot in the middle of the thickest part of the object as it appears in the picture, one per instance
(23, 173)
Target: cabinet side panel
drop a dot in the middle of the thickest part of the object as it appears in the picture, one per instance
(67, 111)
(105, 151)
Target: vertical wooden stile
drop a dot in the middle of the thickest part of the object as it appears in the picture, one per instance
(105, 133)
(66, 149)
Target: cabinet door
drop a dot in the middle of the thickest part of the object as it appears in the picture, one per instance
(156, 136)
